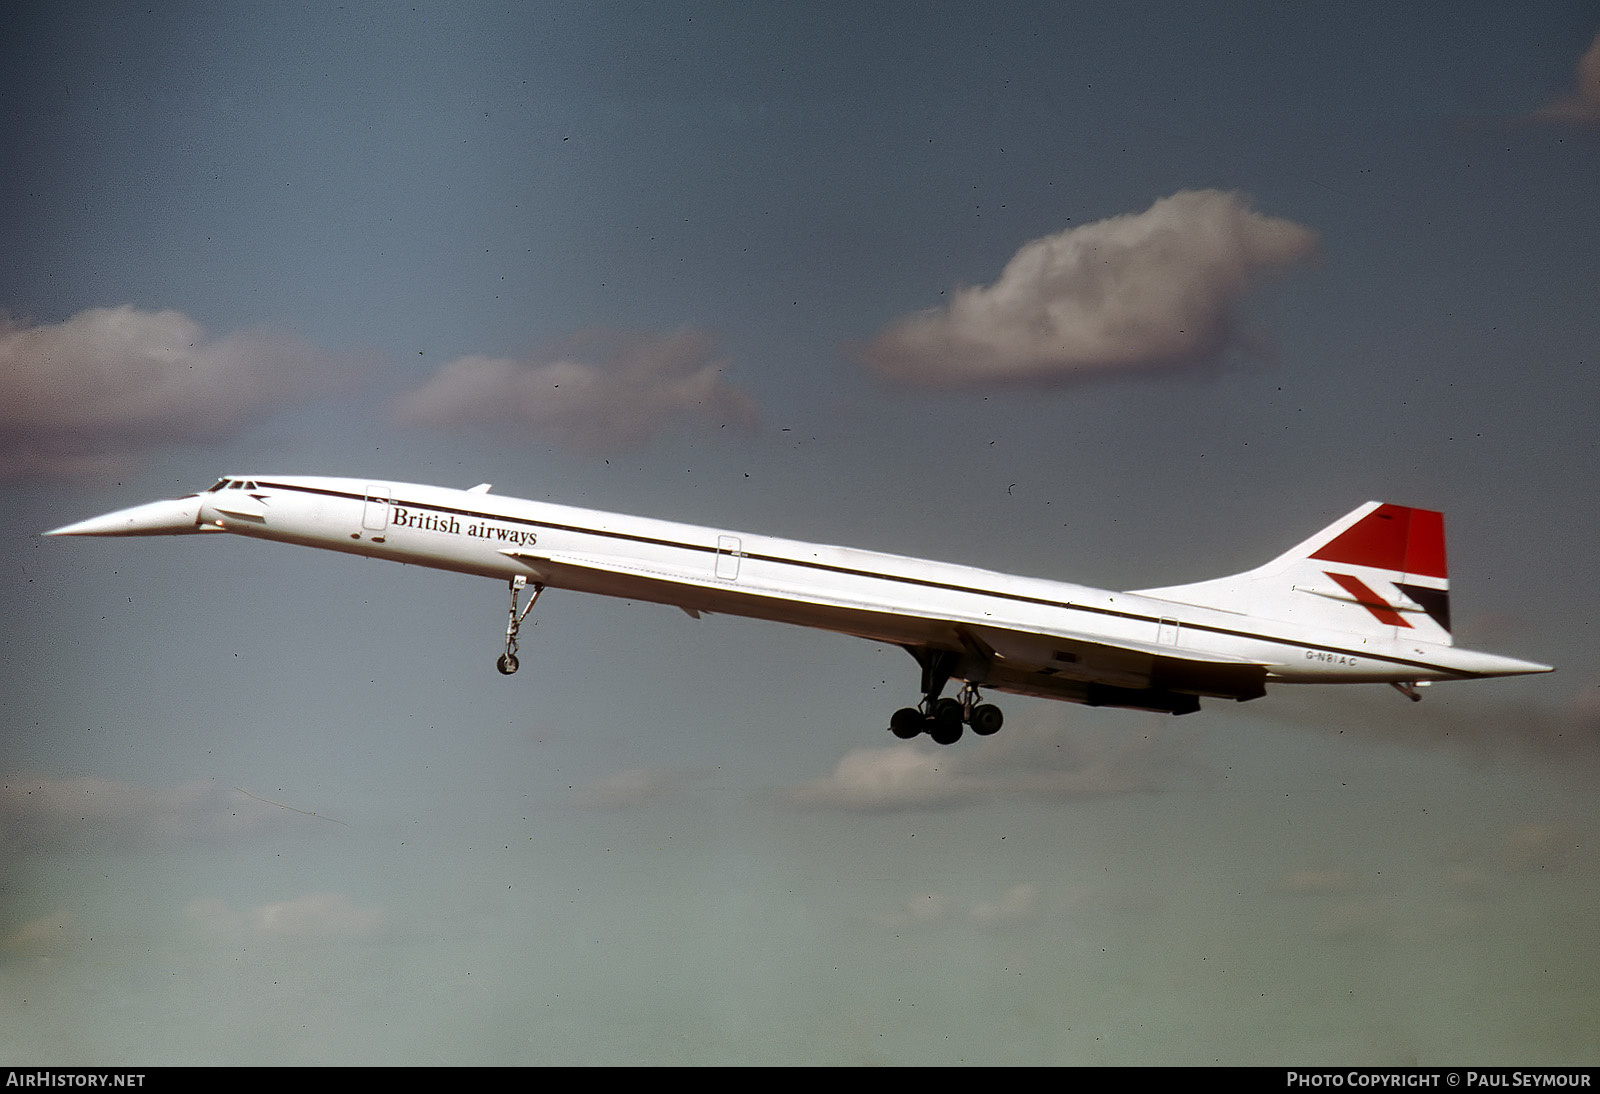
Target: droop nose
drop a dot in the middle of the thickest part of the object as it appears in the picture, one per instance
(156, 518)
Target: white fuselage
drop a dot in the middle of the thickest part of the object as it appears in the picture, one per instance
(1054, 628)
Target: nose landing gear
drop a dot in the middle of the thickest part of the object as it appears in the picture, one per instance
(507, 663)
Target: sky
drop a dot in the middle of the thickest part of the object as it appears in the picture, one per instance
(1129, 296)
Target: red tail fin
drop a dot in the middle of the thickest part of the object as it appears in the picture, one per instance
(1392, 537)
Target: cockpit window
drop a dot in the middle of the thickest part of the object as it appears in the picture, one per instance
(218, 485)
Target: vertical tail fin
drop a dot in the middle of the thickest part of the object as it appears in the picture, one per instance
(1379, 571)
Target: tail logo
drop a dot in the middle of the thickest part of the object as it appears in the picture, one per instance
(1435, 603)
(1381, 609)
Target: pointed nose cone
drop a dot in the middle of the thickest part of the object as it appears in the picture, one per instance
(156, 518)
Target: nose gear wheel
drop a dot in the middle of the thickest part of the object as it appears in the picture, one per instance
(507, 663)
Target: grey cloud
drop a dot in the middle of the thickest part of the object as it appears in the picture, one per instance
(43, 936)
(624, 789)
(1142, 291)
(1532, 847)
(1022, 903)
(1057, 753)
(1319, 881)
(42, 813)
(108, 384)
(1483, 731)
(601, 389)
(922, 909)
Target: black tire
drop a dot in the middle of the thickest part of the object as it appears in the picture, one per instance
(944, 725)
(907, 722)
(507, 664)
(943, 731)
(987, 719)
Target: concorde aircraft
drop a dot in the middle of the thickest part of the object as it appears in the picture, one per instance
(1365, 600)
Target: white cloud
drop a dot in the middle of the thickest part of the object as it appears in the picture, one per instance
(316, 915)
(1142, 291)
(905, 776)
(1018, 904)
(1581, 105)
(922, 909)
(601, 389)
(1041, 756)
(107, 384)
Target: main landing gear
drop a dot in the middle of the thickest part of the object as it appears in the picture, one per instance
(942, 719)
(507, 664)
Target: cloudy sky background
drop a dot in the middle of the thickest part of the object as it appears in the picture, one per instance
(1131, 299)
